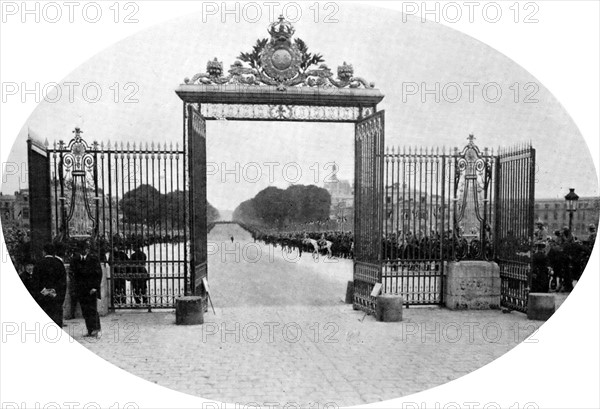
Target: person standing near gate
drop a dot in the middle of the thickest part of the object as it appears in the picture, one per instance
(87, 277)
(539, 268)
(50, 277)
(139, 285)
(119, 261)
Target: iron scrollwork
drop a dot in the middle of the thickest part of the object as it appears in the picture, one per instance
(282, 112)
(79, 160)
(473, 174)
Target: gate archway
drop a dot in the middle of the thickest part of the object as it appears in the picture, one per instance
(280, 85)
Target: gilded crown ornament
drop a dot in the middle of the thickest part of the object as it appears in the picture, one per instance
(281, 30)
(281, 61)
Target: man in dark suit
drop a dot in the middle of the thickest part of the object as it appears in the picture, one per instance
(51, 279)
(119, 261)
(28, 278)
(139, 285)
(87, 278)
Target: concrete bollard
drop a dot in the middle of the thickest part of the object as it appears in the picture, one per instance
(188, 311)
(540, 306)
(350, 292)
(389, 308)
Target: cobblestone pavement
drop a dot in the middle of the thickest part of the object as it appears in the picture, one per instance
(281, 333)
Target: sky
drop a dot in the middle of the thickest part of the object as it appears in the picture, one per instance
(402, 59)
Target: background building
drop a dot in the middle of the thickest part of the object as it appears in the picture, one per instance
(342, 200)
(553, 212)
(14, 209)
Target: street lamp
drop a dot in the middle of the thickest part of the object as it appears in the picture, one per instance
(571, 199)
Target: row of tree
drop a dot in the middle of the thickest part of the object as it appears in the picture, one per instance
(274, 207)
(146, 205)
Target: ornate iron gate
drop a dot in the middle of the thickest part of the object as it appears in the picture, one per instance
(132, 201)
(416, 219)
(515, 194)
(196, 138)
(438, 208)
(368, 216)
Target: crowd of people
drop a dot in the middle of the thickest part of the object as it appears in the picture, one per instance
(340, 244)
(46, 281)
(410, 246)
(559, 259)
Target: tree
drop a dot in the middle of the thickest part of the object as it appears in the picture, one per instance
(273, 207)
(146, 205)
(141, 205)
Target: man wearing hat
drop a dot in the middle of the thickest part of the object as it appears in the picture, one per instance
(592, 237)
(26, 276)
(51, 278)
(87, 277)
(539, 269)
(540, 234)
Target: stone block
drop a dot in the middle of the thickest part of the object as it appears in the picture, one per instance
(389, 308)
(350, 292)
(540, 306)
(189, 310)
(472, 285)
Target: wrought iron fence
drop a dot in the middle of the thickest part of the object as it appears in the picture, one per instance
(438, 207)
(515, 191)
(133, 201)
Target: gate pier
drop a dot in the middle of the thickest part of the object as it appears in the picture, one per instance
(472, 285)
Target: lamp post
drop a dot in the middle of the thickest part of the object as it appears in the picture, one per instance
(571, 199)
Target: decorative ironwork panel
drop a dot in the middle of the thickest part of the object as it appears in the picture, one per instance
(472, 210)
(310, 113)
(515, 195)
(366, 275)
(368, 205)
(131, 200)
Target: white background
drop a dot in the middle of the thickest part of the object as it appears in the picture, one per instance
(560, 370)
